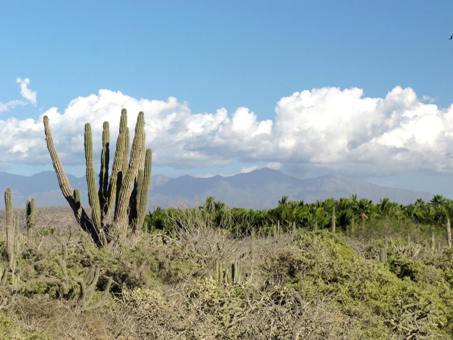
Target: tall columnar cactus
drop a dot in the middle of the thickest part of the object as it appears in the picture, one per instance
(9, 229)
(30, 214)
(93, 195)
(120, 201)
(124, 195)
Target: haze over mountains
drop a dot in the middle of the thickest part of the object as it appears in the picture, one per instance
(257, 189)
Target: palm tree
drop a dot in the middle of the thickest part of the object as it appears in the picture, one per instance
(442, 212)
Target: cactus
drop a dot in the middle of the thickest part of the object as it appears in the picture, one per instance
(104, 171)
(118, 202)
(30, 214)
(124, 195)
(88, 284)
(93, 195)
(225, 276)
(139, 199)
(235, 273)
(9, 229)
(144, 187)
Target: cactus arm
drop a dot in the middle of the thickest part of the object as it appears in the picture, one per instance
(125, 158)
(104, 170)
(120, 221)
(134, 204)
(79, 212)
(143, 201)
(78, 205)
(63, 181)
(117, 162)
(93, 197)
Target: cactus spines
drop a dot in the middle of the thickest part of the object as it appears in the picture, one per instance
(30, 214)
(9, 228)
(114, 203)
(93, 196)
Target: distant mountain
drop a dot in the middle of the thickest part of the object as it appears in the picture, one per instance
(257, 189)
(263, 188)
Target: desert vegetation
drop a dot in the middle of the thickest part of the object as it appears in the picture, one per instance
(196, 273)
(119, 205)
(341, 269)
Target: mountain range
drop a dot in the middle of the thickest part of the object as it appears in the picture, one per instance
(257, 189)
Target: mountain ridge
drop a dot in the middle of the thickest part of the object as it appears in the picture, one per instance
(260, 188)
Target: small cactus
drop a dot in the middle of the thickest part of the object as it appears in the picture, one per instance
(30, 215)
(9, 229)
(235, 273)
(87, 285)
(225, 276)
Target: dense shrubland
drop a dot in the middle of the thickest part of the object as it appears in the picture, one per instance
(196, 273)
(423, 221)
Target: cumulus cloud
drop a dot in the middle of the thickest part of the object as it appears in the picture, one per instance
(325, 127)
(27, 93)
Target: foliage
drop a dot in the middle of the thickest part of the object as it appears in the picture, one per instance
(219, 272)
(353, 216)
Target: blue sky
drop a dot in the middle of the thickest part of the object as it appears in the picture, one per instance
(225, 53)
(231, 54)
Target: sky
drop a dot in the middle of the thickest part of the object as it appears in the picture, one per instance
(358, 88)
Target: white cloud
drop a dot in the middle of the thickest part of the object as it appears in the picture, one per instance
(247, 169)
(325, 127)
(25, 91)
(9, 105)
(271, 165)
